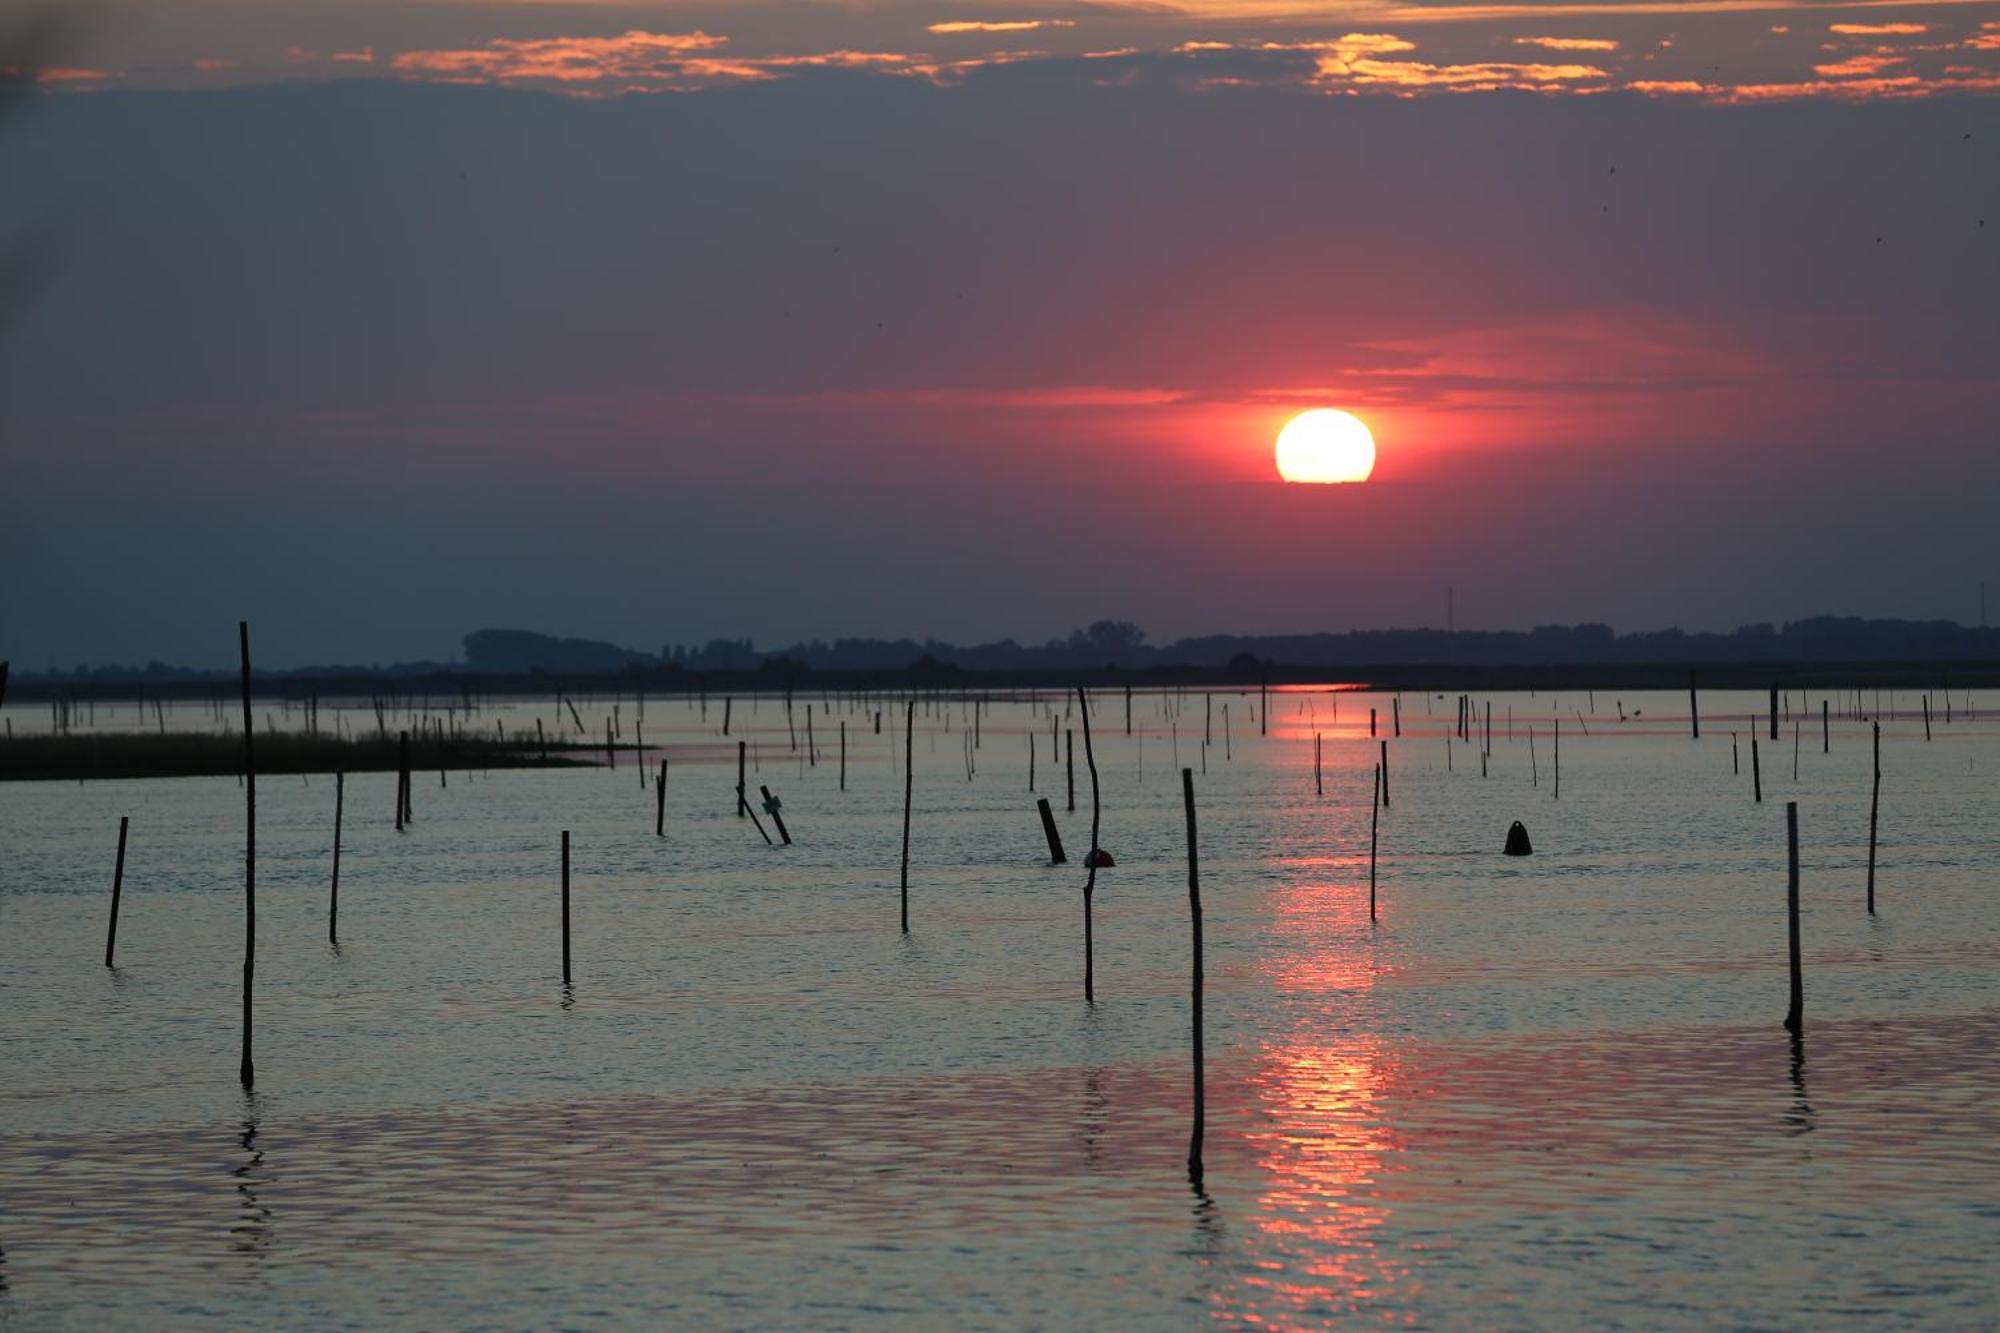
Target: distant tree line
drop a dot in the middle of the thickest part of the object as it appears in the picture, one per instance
(1121, 644)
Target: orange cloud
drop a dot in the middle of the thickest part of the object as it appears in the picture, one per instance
(1878, 29)
(1012, 25)
(1569, 43)
(1901, 87)
(365, 56)
(1858, 66)
(633, 57)
(1354, 60)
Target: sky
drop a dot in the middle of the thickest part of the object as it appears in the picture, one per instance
(376, 323)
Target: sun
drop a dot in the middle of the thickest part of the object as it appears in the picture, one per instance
(1325, 444)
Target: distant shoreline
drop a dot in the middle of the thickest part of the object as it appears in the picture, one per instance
(440, 689)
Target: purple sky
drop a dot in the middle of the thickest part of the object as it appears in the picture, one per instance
(524, 320)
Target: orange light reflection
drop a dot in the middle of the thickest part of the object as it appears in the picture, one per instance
(1319, 1131)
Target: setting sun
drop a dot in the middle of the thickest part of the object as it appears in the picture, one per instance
(1325, 444)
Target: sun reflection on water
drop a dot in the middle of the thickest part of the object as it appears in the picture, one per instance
(1317, 1124)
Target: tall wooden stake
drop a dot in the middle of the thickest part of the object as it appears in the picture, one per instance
(565, 905)
(1694, 709)
(660, 802)
(1090, 861)
(333, 891)
(1200, 1128)
(1376, 800)
(1756, 772)
(117, 889)
(1794, 1016)
(248, 1070)
(1874, 811)
(909, 753)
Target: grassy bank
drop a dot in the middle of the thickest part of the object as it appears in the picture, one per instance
(146, 755)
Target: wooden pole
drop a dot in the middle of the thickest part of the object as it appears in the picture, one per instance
(247, 1071)
(333, 891)
(843, 754)
(1199, 1130)
(660, 802)
(728, 711)
(1756, 773)
(1694, 709)
(565, 905)
(1874, 811)
(1559, 760)
(1774, 712)
(1927, 717)
(1395, 728)
(1376, 800)
(1319, 777)
(771, 805)
(1825, 730)
(1795, 1015)
(1384, 768)
(742, 753)
(1735, 755)
(117, 890)
(1049, 831)
(1090, 861)
(909, 752)
(1069, 766)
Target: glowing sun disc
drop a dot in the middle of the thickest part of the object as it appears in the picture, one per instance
(1324, 445)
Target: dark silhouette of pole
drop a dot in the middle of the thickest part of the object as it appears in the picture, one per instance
(1376, 800)
(771, 804)
(742, 754)
(909, 753)
(1069, 768)
(1774, 712)
(1694, 709)
(565, 905)
(660, 802)
(1090, 861)
(1200, 1128)
(1756, 773)
(843, 754)
(1825, 730)
(1874, 811)
(1794, 1016)
(248, 1070)
(1383, 769)
(117, 890)
(333, 890)
(1049, 831)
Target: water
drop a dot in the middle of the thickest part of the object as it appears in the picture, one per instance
(1537, 1092)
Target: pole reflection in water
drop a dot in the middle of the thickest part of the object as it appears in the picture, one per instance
(1799, 1117)
(251, 1232)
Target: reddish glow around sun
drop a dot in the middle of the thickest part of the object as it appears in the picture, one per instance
(1325, 445)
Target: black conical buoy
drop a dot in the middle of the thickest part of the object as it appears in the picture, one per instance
(1517, 840)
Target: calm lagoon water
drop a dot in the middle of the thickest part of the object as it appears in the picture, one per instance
(1541, 1092)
